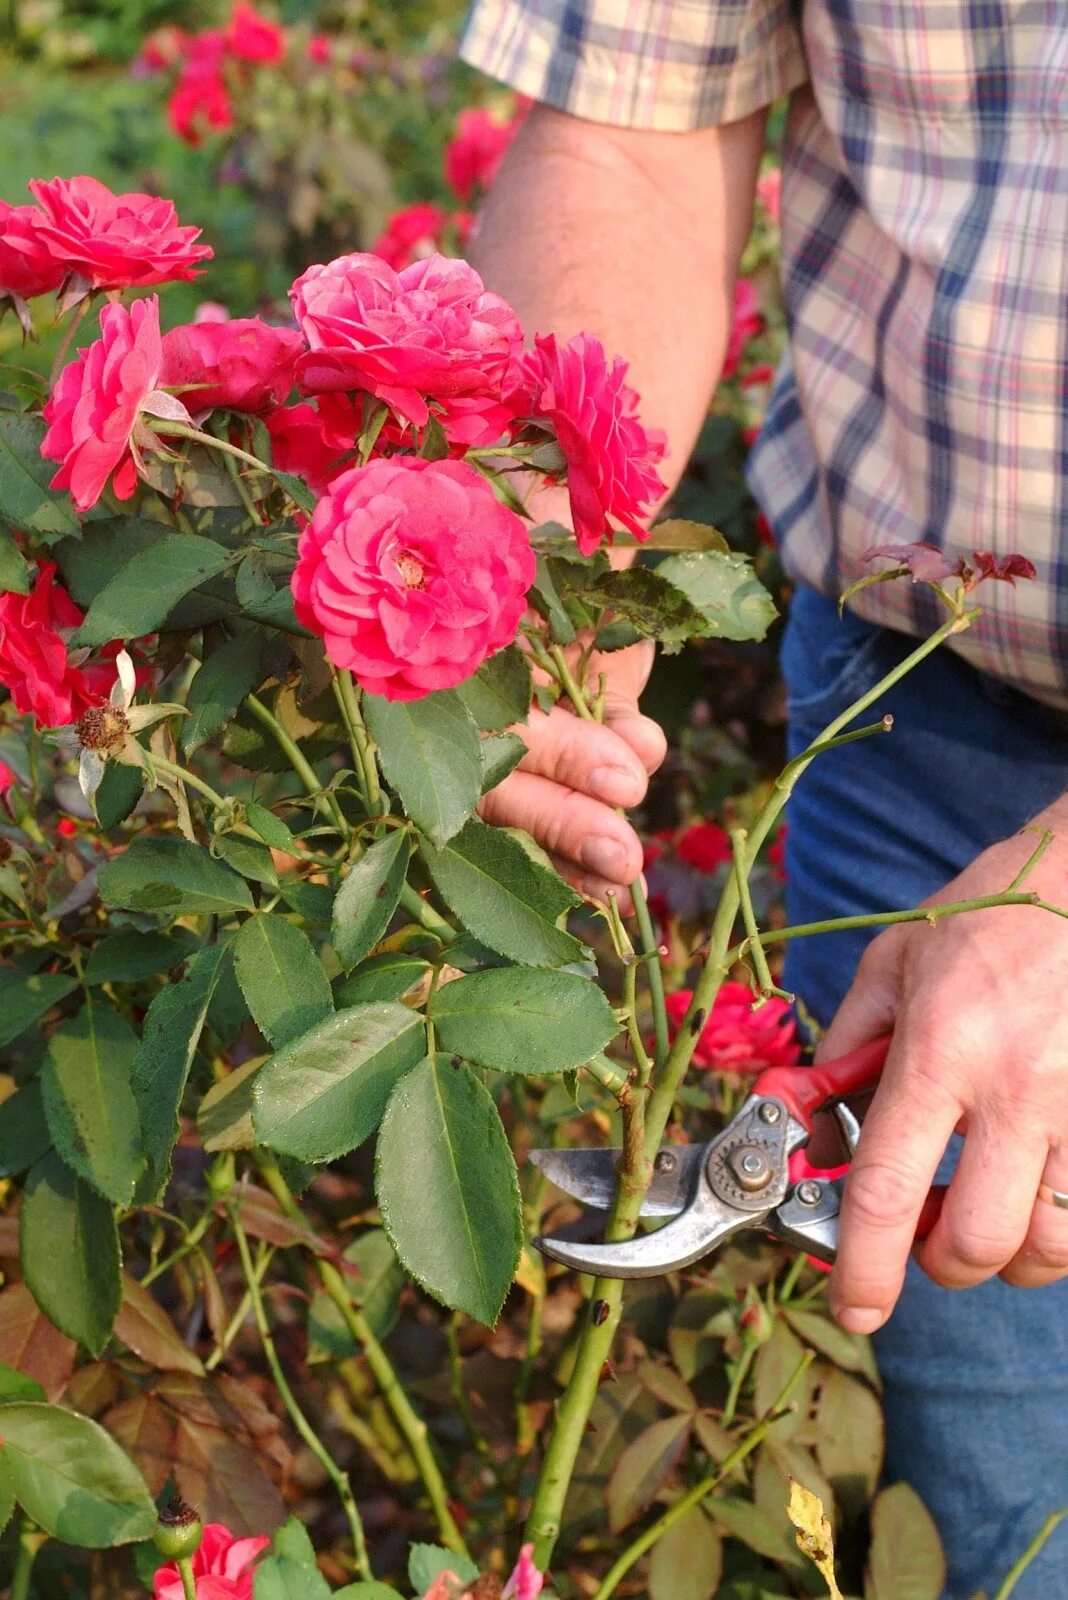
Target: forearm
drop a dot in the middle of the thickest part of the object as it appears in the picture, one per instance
(634, 237)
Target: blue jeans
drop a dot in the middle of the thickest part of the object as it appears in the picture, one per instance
(976, 1382)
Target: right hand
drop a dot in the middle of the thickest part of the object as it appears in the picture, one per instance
(576, 773)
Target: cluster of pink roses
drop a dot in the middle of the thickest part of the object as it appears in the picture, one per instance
(411, 569)
(737, 1038)
(207, 64)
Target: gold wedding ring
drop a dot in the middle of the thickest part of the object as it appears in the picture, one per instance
(1055, 1197)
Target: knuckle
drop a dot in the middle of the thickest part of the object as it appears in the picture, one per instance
(882, 1193)
(977, 1247)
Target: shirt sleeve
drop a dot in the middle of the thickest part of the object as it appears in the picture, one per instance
(665, 65)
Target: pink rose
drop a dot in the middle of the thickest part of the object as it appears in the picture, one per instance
(431, 331)
(314, 441)
(476, 150)
(253, 37)
(34, 668)
(611, 458)
(320, 49)
(27, 265)
(94, 408)
(243, 365)
(769, 192)
(526, 1582)
(411, 234)
(735, 1038)
(162, 48)
(222, 1568)
(116, 241)
(200, 103)
(412, 573)
(704, 845)
(747, 323)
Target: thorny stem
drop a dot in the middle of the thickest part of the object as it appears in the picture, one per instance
(349, 705)
(1020, 1567)
(700, 1491)
(752, 940)
(738, 1377)
(318, 1449)
(411, 1425)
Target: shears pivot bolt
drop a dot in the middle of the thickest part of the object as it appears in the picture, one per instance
(751, 1167)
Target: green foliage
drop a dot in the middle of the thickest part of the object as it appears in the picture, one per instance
(69, 1247)
(89, 1103)
(519, 1020)
(368, 897)
(429, 750)
(71, 1478)
(27, 504)
(281, 978)
(172, 876)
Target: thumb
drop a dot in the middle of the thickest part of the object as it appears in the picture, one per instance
(871, 1006)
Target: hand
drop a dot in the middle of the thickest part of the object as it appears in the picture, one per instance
(977, 1008)
(575, 773)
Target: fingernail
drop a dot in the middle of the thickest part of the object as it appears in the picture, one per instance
(605, 857)
(615, 785)
(860, 1319)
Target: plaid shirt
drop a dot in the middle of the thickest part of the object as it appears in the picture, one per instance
(924, 262)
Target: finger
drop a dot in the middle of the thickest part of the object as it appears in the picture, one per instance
(988, 1207)
(644, 736)
(587, 756)
(1043, 1256)
(566, 823)
(870, 1008)
(591, 887)
(904, 1136)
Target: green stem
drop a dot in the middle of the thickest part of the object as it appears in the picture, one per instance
(738, 1377)
(185, 1572)
(30, 1541)
(654, 972)
(1016, 1572)
(187, 1246)
(318, 1449)
(752, 940)
(411, 1425)
(700, 1491)
(299, 762)
(348, 704)
(164, 425)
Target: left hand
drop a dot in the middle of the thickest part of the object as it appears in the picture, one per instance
(978, 1006)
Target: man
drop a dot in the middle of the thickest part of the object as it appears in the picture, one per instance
(925, 268)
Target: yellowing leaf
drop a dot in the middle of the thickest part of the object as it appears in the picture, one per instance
(814, 1537)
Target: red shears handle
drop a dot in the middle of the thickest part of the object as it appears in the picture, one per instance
(806, 1090)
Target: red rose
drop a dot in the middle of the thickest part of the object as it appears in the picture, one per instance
(411, 234)
(161, 50)
(611, 458)
(253, 37)
(27, 265)
(769, 192)
(412, 573)
(746, 324)
(735, 1038)
(313, 441)
(431, 331)
(94, 408)
(222, 1568)
(477, 148)
(320, 49)
(34, 668)
(243, 365)
(704, 845)
(116, 241)
(201, 100)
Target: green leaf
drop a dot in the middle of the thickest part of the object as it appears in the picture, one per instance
(281, 977)
(14, 573)
(120, 790)
(172, 1028)
(72, 1479)
(26, 501)
(644, 1467)
(16, 1386)
(325, 1093)
(499, 693)
(246, 856)
(224, 1116)
(848, 1350)
(139, 597)
(775, 1363)
(504, 898)
(69, 1249)
(384, 977)
(429, 751)
(726, 591)
(7, 1496)
(128, 956)
(88, 1101)
(368, 897)
(367, 1591)
(271, 829)
(519, 1020)
(172, 875)
(312, 901)
(23, 1000)
(447, 1187)
(427, 1561)
(297, 490)
(546, 601)
(687, 1561)
(226, 676)
(376, 1290)
(905, 1561)
(642, 597)
(676, 533)
(753, 1527)
(24, 1135)
(290, 1572)
(501, 754)
(88, 562)
(849, 1439)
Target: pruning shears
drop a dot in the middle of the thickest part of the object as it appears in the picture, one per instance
(738, 1180)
